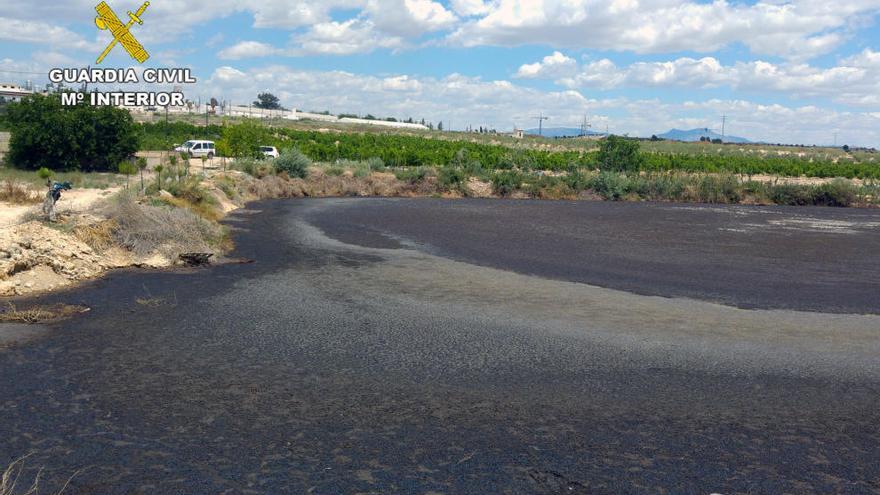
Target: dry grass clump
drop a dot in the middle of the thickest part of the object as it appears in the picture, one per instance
(375, 184)
(11, 482)
(17, 192)
(146, 229)
(39, 314)
(98, 236)
(273, 186)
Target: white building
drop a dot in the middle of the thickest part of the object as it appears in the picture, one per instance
(12, 92)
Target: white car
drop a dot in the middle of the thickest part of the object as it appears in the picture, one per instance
(197, 149)
(269, 151)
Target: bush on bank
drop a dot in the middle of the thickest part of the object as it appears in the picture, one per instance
(85, 138)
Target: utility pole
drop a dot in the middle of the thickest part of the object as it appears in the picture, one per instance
(584, 126)
(541, 118)
(723, 122)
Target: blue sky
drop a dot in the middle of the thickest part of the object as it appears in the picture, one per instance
(795, 72)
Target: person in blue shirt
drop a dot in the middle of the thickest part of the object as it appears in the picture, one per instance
(53, 196)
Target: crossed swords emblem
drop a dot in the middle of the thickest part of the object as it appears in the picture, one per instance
(121, 32)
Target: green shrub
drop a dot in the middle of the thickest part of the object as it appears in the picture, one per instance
(666, 187)
(578, 181)
(376, 164)
(191, 191)
(838, 192)
(294, 163)
(619, 154)
(611, 185)
(81, 137)
(361, 169)
(246, 165)
(720, 189)
(452, 178)
(791, 194)
(505, 183)
(244, 140)
(411, 175)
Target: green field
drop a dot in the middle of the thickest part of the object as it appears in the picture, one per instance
(328, 143)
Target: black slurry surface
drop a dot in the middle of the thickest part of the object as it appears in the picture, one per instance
(276, 377)
(814, 259)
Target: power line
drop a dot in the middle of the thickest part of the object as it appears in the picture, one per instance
(541, 118)
(585, 126)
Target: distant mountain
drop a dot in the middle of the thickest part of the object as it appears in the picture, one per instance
(561, 132)
(696, 134)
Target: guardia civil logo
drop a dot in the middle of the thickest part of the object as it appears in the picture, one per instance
(107, 20)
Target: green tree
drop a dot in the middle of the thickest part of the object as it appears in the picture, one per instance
(619, 154)
(244, 139)
(293, 162)
(127, 169)
(142, 165)
(223, 151)
(267, 101)
(158, 169)
(44, 173)
(80, 137)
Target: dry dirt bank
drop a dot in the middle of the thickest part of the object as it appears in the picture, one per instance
(100, 230)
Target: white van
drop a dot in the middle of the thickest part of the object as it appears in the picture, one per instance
(197, 149)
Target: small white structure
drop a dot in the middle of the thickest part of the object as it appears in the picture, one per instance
(12, 92)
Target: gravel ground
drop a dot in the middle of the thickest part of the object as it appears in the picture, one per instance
(423, 346)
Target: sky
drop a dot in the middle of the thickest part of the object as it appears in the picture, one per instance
(801, 71)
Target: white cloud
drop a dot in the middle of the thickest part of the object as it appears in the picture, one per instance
(26, 31)
(552, 66)
(289, 15)
(401, 83)
(855, 80)
(469, 8)
(248, 49)
(795, 29)
(344, 38)
(410, 18)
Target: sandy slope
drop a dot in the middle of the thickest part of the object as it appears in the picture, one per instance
(74, 201)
